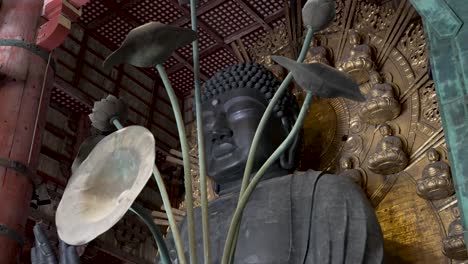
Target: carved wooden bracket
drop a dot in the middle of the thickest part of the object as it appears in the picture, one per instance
(59, 14)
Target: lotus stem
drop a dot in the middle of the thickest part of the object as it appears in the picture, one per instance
(263, 122)
(269, 110)
(148, 220)
(186, 160)
(201, 140)
(261, 172)
(167, 207)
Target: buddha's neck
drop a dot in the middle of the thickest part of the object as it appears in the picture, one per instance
(273, 172)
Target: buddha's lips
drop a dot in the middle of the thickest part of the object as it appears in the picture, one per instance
(223, 149)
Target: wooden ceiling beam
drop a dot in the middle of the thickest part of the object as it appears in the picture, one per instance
(111, 46)
(247, 30)
(202, 54)
(203, 9)
(204, 26)
(114, 9)
(188, 65)
(253, 14)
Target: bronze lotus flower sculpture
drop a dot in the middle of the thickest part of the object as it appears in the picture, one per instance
(150, 44)
(106, 110)
(322, 80)
(318, 14)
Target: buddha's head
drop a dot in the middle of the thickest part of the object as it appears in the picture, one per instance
(346, 163)
(432, 155)
(233, 102)
(385, 130)
(455, 228)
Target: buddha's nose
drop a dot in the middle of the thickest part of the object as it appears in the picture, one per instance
(221, 129)
(221, 134)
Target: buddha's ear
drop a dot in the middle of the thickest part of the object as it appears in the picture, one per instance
(289, 156)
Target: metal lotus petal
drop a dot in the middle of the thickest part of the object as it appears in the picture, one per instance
(318, 14)
(322, 80)
(105, 185)
(85, 148)
(150, 44)
(105, 110)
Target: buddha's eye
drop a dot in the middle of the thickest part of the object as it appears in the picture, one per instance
(244, 113)
(208, 119)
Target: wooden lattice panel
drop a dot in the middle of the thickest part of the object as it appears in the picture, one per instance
(150, 10)
(115, 30)
(182, 80)
(60, 97)
(278, 22)
(170, 62)
(265, 8)
(251, 38)
(227, 18)
(92, 10)
(217, 61)
(204, 42)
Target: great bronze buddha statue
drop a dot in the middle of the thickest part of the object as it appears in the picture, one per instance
(306, 217)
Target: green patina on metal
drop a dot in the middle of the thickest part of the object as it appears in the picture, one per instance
(447, 34)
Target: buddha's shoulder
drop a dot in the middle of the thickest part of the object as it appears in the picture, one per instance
(307, 179)
(320, 183)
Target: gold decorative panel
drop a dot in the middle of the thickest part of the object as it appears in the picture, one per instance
(392, 144)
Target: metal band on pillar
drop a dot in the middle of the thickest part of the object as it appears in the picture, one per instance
(43, 54)
(19, 168)
(22, 169)
(10, 233)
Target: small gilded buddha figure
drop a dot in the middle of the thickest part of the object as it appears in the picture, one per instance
(347, 171)
(276, 69)
(358, 62)
(381, 105)
(454, 243)
(436, 182)
(389, 156)
(317, 53)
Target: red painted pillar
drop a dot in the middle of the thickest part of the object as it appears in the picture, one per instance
(21, 80)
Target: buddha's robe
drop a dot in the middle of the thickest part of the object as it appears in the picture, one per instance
(300, 218)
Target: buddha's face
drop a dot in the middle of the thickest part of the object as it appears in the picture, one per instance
(230, 121)
(385, 131)
(432, 155)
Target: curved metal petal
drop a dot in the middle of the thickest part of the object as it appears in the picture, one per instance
(322, 80)
(105, 110)
(150, 44)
